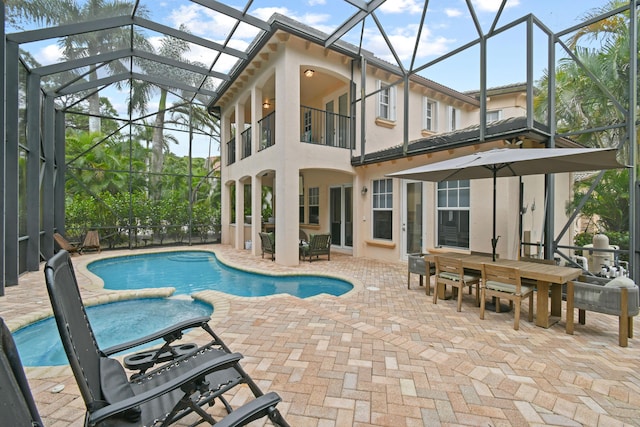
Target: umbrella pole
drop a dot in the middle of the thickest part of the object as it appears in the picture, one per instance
(494, 239)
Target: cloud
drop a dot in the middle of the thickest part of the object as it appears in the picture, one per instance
(403, 41)
(317, 2)
(493, 5)
(207, 23)
(452, 13)
(49, 54)
(401, 6)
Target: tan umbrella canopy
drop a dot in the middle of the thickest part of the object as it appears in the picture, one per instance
(503, 162)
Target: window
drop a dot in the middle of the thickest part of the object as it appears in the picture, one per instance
(430, 111)
(314, 205)
(386, 102)
(306, 126)
(382, 208)
(493, 116)
(453, 213)
(453, 118)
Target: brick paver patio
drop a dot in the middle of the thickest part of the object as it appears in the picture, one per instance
(384, 355)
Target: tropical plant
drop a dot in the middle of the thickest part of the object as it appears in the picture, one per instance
(86, 44)
(608, 205)
(592, 93)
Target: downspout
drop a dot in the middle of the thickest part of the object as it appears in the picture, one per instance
(405, 131)
(363, 110)
(549, 182)
(634, 185)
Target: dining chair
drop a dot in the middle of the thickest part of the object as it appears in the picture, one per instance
(449, 271)
(500, 281)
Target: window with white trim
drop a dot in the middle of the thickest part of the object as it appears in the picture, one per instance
(453, 118)
(382, 208)
(429, 114)
(453, 213)
(494, 116)
(314, 205)
(386, 101)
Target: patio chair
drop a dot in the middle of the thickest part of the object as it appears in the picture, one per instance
(449, 271)
(500, 281)
(417, 264)
(168, 384)
(66, 245)
(319, 244)
(17, 405)
(91, 241)
(268, 242)
(618, 297)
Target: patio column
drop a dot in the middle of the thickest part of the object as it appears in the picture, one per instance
(239, 214)
(225, 214)
(256, 213)
(239, 113)
(287, 121)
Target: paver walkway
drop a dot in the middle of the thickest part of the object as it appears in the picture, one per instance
(384, 355)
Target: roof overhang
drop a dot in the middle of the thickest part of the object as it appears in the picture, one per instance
(514, 130)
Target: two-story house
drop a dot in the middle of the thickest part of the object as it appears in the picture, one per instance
(322, 128)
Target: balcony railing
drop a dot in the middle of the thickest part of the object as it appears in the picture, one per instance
(246, 143)
(325, 128)
(231, 151)
(267, 131)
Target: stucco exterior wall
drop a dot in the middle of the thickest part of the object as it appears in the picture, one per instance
(279, 79)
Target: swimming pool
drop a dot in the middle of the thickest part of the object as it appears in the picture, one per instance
(193, 271)
(114, 323)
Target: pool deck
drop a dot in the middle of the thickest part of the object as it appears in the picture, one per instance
(383, 355)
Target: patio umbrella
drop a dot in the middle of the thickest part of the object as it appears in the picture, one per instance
(503, 162)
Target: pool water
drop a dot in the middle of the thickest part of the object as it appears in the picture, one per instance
(39, 344)
(193, 271)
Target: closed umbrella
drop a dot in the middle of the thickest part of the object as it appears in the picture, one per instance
(504, 162)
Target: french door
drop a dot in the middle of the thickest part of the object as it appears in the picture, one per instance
(341, 215)
(412, 218)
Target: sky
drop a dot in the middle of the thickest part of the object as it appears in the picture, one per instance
(447, 26)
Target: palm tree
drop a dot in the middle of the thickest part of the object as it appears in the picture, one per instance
(591, 93)
(60, 12)
(583, 102)
(176, 49)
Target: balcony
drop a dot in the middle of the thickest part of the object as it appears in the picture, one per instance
(231, 151)
(325, 128)
(245, 136)
(267, 131)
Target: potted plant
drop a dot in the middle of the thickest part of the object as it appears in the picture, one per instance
(267, 214)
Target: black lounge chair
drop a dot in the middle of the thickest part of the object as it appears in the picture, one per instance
(16, 405)
(174, 382)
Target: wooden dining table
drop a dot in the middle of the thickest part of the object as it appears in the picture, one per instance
(547, 278)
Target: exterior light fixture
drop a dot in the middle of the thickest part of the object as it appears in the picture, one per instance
(309, 72)
(364, 190)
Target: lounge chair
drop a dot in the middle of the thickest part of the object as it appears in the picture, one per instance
(168, 384)
(268, 244)
(17, 405)
(66, 245)
(319, 244)
(91, 241)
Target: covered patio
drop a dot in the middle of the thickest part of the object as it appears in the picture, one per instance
(383, 355)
